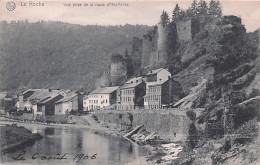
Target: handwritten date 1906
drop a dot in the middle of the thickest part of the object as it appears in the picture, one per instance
(77, 158)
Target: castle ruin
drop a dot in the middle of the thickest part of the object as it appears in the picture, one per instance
(155, 46)
(156, 43)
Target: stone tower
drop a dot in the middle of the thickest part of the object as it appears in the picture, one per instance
(104, 79)
(149, 46)
(146, 53)
(118, 70)
(137, 52)
(188, 27)
(161, 55)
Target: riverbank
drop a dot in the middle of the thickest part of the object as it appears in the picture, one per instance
(15, 138)
(158, 152)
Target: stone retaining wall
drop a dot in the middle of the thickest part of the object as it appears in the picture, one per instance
(168, 124)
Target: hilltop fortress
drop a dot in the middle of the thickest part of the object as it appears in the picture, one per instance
(156, 44)
(153, 50)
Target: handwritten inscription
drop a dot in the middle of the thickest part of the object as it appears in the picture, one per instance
(21, 157)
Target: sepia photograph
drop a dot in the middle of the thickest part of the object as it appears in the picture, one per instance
(130, 82)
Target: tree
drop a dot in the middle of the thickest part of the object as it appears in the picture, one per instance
(188, 13)
(182, 14)
(164, 19)
(176, 13)
(202, 8)
(215, 9)
(218, 9)
(193, 9)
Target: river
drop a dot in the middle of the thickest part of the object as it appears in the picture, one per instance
(76, 146)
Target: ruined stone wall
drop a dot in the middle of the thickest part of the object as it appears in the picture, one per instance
(189, 27)
(153, 59)
(169, 124)
(137, 52)
(155, 47)
(104, 79)
(118, 70)
(148, 47)
(184, 30)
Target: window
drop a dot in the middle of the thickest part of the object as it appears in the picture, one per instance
(106, 100)
(174, 134)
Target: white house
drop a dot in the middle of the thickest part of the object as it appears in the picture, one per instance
(157, 75)
(101, 97)
(86, 103)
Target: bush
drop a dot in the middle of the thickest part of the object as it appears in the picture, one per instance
(191, 115)
(247, 132)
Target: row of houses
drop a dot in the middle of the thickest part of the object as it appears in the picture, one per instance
(49, 102)
(153, 91)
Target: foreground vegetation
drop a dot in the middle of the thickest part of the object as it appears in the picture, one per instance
(15, 138)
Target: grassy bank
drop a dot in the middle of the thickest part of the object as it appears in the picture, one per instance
(15, 138)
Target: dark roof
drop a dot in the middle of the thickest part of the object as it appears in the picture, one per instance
(42, 94)
(67, 98)
(134, 79)
(104, 90)
(156, 83)
(152, 72)
(49, 98)
(132, 85)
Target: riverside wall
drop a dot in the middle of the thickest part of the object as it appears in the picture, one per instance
(170, 124)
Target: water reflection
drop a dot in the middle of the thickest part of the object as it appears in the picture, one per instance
(73, 141)
(49, 131)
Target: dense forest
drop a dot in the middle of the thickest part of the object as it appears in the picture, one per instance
(59, 55)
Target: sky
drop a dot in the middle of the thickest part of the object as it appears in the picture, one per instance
(132, 12)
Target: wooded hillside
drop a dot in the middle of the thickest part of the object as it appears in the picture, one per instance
(59, 55)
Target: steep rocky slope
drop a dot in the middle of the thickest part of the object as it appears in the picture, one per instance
(227, 58)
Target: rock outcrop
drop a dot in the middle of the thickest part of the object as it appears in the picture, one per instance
(228, 58)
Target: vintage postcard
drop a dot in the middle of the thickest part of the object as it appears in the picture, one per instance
(129, 82)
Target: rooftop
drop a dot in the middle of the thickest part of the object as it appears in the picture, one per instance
(43, 94)
(134, 79)
(67, 98)
(34, 90)
(52, 96)
(132, 85)
(155, 71)
(104, 90)
(156, 83)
